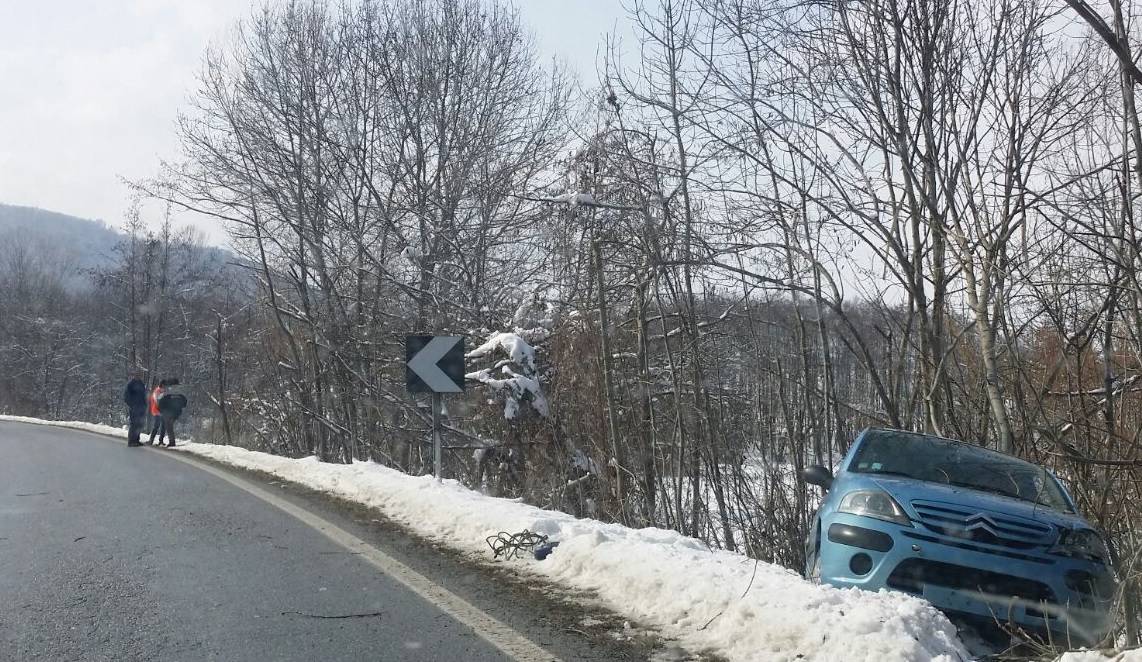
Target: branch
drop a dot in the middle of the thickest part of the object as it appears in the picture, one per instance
(1087, 13)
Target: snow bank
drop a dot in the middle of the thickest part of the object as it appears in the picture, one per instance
(708, 600)
(97, 428)
(1102, 656)
(657, 577)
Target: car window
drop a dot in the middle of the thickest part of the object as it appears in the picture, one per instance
(956, 463)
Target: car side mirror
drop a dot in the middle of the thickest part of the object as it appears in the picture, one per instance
(818, 475)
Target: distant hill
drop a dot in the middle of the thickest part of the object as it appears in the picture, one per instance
(85, 244)
(91, 243)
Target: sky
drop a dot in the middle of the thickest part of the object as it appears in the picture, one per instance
(90, 90)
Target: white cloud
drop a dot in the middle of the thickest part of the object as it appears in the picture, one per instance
(91, 90)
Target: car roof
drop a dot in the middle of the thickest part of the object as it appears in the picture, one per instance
(926, 435)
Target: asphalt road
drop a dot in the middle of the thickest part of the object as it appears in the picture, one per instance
(110, 553)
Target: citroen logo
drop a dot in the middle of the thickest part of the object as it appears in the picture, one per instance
(980, 521)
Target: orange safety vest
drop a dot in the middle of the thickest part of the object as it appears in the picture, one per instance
(155, 395)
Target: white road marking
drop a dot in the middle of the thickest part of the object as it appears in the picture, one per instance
(512, 643)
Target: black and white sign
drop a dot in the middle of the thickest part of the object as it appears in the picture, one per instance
(434, 364)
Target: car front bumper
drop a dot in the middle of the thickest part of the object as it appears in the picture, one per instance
(1024, 588)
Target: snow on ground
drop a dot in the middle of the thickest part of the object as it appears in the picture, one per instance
(706, 599)
(97, 428)
(1101, 656)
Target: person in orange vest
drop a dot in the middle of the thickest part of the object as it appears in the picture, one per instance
(153, 404)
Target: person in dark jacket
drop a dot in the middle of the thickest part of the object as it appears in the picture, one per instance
(135, 396)
(171, 405)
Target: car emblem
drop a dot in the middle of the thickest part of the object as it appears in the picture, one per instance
(980, 521)
(975, 525)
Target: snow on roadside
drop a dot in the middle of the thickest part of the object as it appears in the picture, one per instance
(1134, 655)
(97, 428)
(706, 599)
(654, 576)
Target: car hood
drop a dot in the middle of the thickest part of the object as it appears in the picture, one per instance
(905, 490)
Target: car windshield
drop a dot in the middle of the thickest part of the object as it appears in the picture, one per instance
(956, 463)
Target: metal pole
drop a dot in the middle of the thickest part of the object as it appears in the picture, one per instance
(437, 405)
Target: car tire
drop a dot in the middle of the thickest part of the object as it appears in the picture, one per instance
(813, 565)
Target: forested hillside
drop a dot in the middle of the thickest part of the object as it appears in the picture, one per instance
(81, 303)
(84, 243)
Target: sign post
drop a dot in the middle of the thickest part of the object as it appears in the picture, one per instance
(437, 445)
(435, 364)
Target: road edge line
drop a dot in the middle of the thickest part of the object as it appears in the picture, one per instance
(502, 636)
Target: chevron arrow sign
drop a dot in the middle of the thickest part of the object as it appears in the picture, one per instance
(434, 364)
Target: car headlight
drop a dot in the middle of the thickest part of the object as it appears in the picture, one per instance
(1081, 544)
(874, 503)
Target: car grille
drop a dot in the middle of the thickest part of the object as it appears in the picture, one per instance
(982, 527)
(912, 574)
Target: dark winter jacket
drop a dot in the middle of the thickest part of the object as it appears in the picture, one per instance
(136, 395)
(171, 405)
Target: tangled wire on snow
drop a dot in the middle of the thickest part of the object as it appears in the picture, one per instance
(509, 545)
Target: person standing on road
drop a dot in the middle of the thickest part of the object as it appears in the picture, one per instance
(171, 405)
(153, 402)
(135, 396)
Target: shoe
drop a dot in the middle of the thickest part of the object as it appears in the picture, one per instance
(132, 444)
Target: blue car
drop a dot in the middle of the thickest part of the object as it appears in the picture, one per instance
(979, 534)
